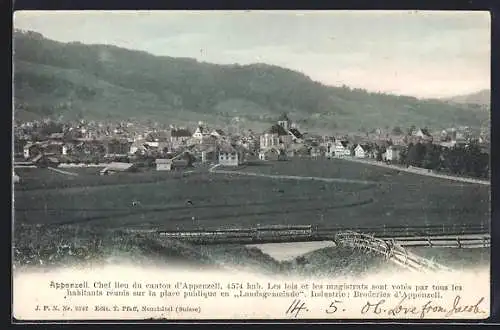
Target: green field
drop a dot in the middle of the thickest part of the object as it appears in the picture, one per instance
(390, 198)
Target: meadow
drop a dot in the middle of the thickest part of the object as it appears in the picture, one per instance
(160, 199)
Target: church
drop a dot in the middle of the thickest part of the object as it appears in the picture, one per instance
(279, 137)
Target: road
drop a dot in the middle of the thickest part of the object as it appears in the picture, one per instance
(419, 171)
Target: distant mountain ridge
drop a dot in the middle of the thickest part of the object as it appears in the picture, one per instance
(482, 97)
(75, 80)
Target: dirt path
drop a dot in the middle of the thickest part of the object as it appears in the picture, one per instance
(419, 171)
(290, 177)
(62, 172)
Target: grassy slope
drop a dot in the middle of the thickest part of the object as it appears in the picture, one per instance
(223, 200)
(102, 81)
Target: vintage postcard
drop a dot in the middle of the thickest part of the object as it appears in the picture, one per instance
(251, 165)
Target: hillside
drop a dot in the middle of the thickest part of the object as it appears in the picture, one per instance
(101, 82)
(481, 98)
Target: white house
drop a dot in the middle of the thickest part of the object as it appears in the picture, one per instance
(422, 134)
(392, 153)
(228, 156)
(27, 150)
(341, 149)
(138, 146)
(163, 164)
(15, 178)
(361, 151)
(198, 133)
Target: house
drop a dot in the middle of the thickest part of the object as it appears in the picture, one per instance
(229, 156)
(66, 148)
(30, 149)
(361, 151)
(163, 164)
(138, 147)
(398, 139)
(329, 148)
(392, 153)
(15, 178)
(117, 147)
(315, 150)
(218, 133)
(116, 167)
(201, 135)
(422, 134)
(207, 156)
(341, 149)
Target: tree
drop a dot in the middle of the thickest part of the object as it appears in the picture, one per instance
(415, 155)
(431, 156)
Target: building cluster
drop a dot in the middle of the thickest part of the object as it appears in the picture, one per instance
(49, 142)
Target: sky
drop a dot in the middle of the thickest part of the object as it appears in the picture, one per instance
(422, 54)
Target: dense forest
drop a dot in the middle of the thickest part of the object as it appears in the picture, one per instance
(75, 80)
(461, 160)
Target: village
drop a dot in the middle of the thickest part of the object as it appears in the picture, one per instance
(126, 146)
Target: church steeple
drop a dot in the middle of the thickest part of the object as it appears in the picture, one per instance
(284, 121)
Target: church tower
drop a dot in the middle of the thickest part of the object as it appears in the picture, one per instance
(284, 122)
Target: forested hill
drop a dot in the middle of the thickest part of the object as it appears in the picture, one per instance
(481, 98)
(102, 82)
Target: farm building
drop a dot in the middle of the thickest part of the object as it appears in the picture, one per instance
(15, 178)
(163, 164)
(171, 164)
(115, 167)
